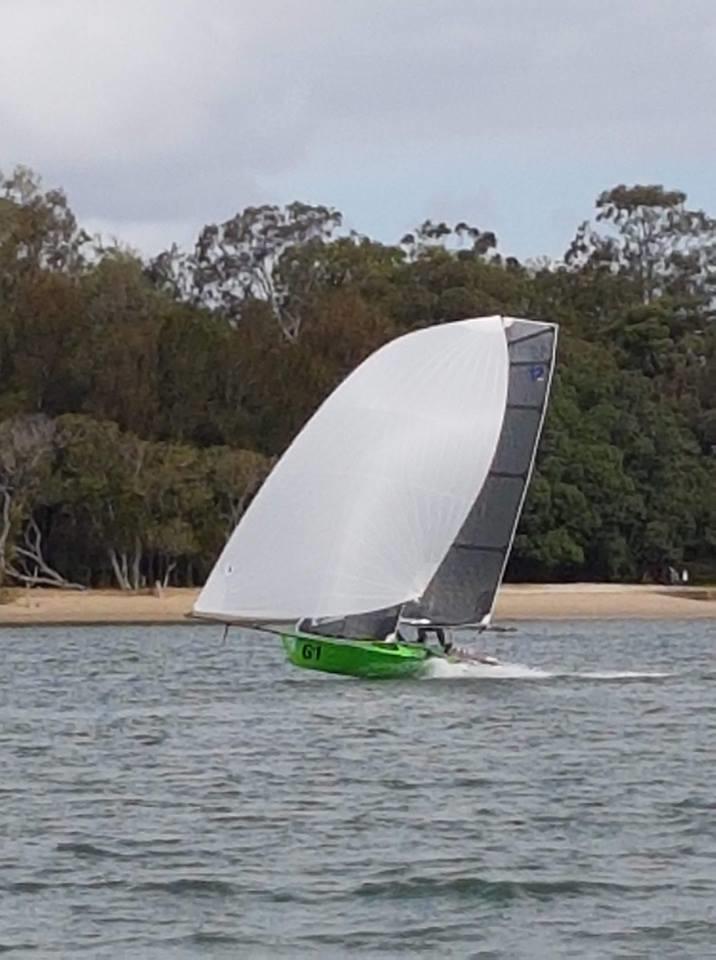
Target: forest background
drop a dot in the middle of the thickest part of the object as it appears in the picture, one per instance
(143, 401)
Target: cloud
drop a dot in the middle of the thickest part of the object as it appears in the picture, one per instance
(179, 112)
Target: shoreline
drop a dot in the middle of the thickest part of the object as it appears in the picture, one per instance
(551, 601)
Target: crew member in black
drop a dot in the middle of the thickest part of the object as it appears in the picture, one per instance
(445, 644)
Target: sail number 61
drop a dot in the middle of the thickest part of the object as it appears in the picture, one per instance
(310, 651)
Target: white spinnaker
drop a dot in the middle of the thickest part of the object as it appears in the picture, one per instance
(365, 503)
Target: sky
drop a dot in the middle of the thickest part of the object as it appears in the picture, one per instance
(158, 116)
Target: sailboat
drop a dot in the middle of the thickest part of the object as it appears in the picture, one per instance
(396, 505)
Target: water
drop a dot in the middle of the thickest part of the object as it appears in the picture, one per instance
(167, 795)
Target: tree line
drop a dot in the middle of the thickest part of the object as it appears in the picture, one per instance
(142, 402)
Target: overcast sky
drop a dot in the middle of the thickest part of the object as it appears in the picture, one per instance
(157, 116)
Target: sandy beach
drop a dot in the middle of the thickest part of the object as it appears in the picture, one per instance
(515, 602)
(594, 601)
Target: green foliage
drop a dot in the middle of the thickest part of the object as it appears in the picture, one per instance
(142, 404)
(25, 457)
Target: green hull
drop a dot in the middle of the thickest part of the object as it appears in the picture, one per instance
(355, 658)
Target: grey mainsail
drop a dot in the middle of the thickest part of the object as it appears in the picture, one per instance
(464, 586)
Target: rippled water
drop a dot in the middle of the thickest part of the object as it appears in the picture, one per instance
(168, 795)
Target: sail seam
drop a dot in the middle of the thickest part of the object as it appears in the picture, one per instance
(506, 475)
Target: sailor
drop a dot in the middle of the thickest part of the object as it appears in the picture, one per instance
(445, 644)
(461, 653)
